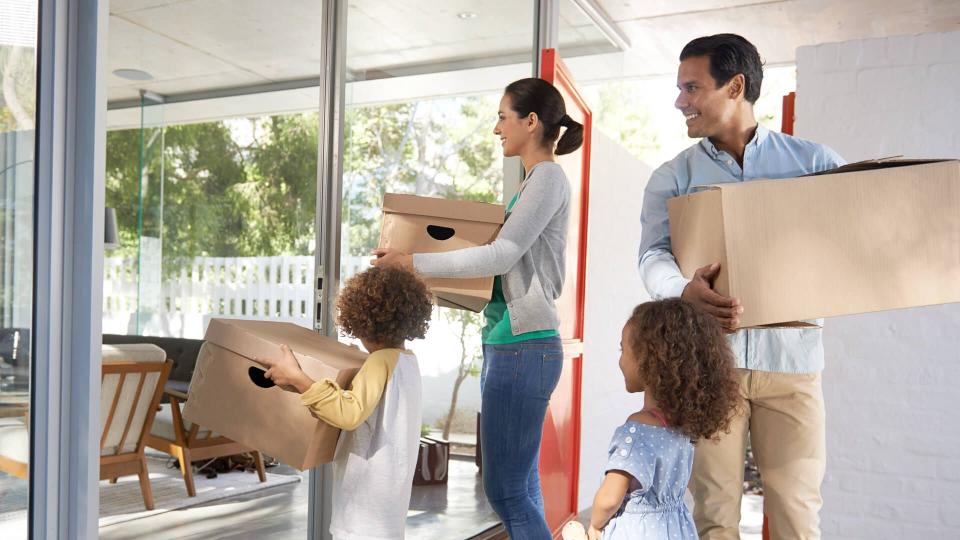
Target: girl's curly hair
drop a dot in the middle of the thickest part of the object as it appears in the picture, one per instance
(686, 362)
(385, 305)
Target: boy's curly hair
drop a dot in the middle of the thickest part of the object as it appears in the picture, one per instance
(385, 305)
(686, 362)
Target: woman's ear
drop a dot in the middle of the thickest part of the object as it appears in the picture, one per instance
(532, 121)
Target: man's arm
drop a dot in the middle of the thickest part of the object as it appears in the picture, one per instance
(658, 267)
(661, 275)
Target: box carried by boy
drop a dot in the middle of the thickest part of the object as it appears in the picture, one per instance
(229, 395)
(413, 224)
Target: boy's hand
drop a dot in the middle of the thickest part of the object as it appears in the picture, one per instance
(392, 257)
(593, 533)
(285, 371)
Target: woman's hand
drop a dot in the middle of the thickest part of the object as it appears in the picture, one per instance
(392, 257)
(594, 534)
(285, 371)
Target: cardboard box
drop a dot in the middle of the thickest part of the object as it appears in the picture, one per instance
(227, 393)
(413, 224)
(867, 237)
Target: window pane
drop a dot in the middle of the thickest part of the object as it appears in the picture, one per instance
(425, 81)
(17, 118)
(211, 173)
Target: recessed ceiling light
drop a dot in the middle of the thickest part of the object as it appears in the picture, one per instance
(133, 74)
(466, 15)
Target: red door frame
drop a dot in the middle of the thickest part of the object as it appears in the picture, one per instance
(554, 71)
(789, 115)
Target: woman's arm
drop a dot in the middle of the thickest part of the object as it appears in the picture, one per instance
(608, 499)
(542, 198)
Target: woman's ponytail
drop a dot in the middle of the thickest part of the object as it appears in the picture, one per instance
(572, 136)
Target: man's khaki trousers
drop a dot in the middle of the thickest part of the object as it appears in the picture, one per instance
(783, 415)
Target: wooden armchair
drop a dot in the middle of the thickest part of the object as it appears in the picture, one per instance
(132, 381)
(188, 442)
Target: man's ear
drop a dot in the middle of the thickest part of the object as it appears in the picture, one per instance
(737, 86)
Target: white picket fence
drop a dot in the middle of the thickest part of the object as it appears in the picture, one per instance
(274, 288)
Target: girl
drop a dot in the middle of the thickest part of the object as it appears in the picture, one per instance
(522, 355)
(679, 358)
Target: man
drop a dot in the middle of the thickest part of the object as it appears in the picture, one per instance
(783, 414)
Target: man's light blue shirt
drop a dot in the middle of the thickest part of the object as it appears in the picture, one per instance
(769, 155)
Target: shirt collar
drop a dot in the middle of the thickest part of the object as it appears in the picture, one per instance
(759, 136)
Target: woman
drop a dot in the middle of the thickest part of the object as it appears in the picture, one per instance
(522, 354)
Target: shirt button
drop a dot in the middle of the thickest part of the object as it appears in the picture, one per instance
(633, 430)
(628, 440)
(624, 453)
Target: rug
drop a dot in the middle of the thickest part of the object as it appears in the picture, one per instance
(123, 501)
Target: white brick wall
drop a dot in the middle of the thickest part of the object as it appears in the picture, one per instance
(613, 288)
(891, 379)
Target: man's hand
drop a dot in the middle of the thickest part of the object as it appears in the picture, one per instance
(285, 371)
(392, 257)
(700, 293)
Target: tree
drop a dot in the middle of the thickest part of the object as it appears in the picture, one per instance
(442, 148)
(220, 198)
(631, 126)
(468, 324)
(247, 186)
(17, 88)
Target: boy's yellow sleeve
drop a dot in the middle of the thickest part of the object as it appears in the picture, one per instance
(347, 409)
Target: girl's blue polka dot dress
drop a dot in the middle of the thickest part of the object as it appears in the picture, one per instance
(660, 460)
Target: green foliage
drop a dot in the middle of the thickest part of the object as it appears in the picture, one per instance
(17, 88)
(227, 198)
(442, 148)
(631, 126)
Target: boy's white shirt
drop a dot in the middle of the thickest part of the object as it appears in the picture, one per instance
(377, 451)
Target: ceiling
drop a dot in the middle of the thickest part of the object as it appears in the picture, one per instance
(196, 46)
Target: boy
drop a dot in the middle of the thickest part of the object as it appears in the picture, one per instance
(380, 413)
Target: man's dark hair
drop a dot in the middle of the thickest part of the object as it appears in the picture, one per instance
(729, 55)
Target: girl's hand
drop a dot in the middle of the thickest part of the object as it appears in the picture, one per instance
(593, 533)
(285, 371)
(573, 530)
(392, 257)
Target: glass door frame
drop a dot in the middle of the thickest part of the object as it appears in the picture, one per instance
(68, 269)
(326, 281)
(329, 199)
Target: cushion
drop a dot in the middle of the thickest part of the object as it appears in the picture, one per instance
(15, 441)
(163, 425)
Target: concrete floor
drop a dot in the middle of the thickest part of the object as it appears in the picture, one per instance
(454, 511)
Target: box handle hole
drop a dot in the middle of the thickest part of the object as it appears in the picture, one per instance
(440, 233)
(258, 378)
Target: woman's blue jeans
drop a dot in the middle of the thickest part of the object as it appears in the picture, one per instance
(515, 384)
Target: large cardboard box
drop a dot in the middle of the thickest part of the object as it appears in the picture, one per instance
(413, 224)
(867, 237)
(229, 395)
